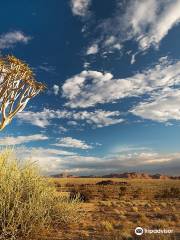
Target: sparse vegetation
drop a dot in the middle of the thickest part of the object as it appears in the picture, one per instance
(28, 203)
(172, 192)
(33, 207)
(114, 209)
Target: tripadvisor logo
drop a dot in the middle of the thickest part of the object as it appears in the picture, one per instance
(139, 231)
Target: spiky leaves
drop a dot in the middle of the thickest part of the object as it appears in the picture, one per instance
(17, 87)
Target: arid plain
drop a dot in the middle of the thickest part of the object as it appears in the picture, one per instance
(112, 208)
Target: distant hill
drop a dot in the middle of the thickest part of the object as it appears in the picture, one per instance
(134, 175)
(128, 175)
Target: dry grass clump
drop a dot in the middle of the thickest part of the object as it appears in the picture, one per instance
(28, 203)
(163, 204)
(134, 209)
(107, 226)
(67, 211)
(156, 209)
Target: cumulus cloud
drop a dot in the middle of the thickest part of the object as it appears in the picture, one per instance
(92, 49)
(80, 7)
(161, 108)
(11, 140)
(97, 118)
(69, 142)
(89, 88)
(9, 39)
(54, 161)
(49, 159)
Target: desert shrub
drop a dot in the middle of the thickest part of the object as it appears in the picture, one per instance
(28, 203)
(105, 182)
(67, 211)
(84, 194)
(122, 191)
(138, 192)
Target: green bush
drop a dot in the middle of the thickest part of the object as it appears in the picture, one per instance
(28, 203)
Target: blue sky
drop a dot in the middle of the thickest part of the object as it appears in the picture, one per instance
(112, 71)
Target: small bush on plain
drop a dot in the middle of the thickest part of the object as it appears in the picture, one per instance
(85, 194)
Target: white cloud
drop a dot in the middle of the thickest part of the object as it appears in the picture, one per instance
(62, 129)
(92, 49)
(54, 161)
(50, 160)
(70, 142)
(149, 27)
(47, 68)
(51, 151)
(80, 7)
(86, 65)
(105, 45)
(147, 22)
(89, 88)
(133, 58)
(72, 123)
(22, 139)
(55, 89)
(9, 39)
(129, 148)
(117, 46)
(111, 42)
(146, 158)
(161, 108)
(97, 118)
(40, 119)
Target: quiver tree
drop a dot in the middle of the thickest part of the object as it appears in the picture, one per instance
(17, 87)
